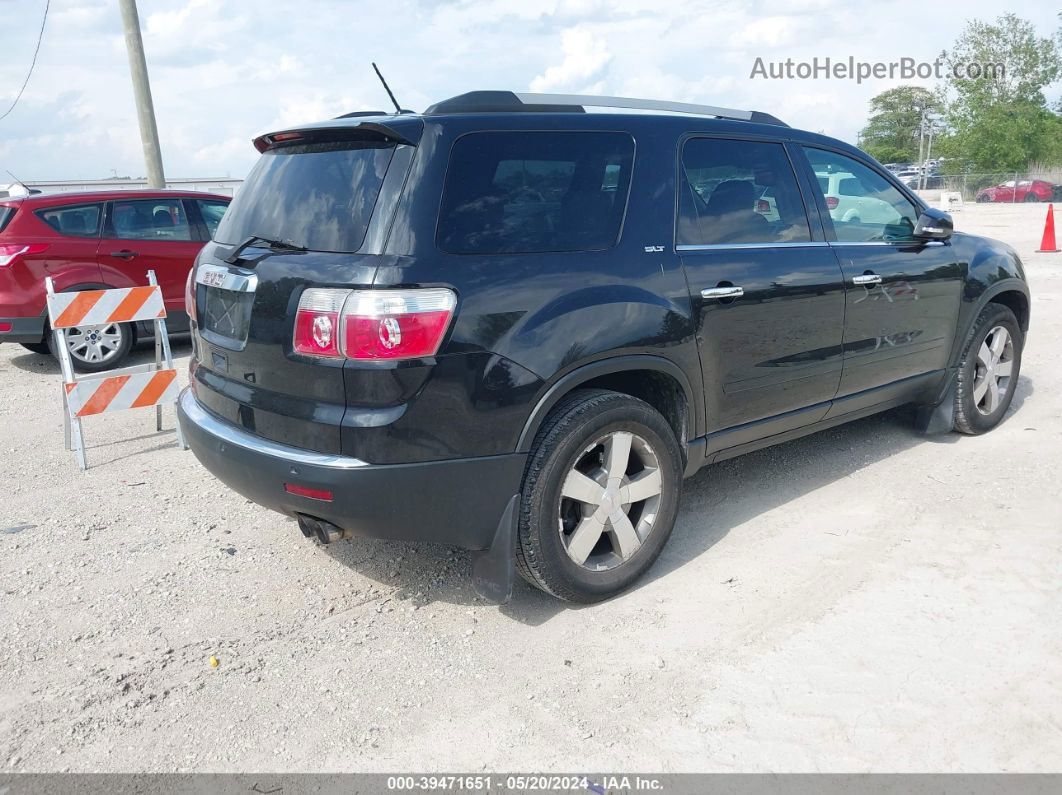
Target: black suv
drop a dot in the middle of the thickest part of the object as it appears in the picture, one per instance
(515, 326)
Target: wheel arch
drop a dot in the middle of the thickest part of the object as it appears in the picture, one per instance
(1014, 299)
(654, 379)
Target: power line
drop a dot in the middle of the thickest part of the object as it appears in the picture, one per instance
(33, 63)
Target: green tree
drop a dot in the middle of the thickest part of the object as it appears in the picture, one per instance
(999, 119)
(892, 132)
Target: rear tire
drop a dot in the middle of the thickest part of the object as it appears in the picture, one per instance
(107, 350)
(988, 371)
(42, 348)
(600, 496)
(1031, 197)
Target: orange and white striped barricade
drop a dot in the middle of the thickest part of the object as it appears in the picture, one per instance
(125, 388)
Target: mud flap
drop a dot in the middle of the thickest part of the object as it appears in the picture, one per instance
(494, 569)
(939, 418)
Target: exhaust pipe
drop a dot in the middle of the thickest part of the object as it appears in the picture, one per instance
(325, 531)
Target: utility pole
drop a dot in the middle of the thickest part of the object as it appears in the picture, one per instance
(145, 109)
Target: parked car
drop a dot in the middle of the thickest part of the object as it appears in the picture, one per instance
(1025, 190)
(848, 200)
(95, 241)
(494, 325)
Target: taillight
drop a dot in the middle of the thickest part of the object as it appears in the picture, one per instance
(373, 325)
(317, 322)
(832, 202)
(396, 324)
(762, 206)
(12, 251)
(189, 294)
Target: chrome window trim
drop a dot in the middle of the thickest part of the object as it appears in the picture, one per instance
(230, 434)
(715, 246)
(837, 243)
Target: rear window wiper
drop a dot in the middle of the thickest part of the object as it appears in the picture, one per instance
(276, 245)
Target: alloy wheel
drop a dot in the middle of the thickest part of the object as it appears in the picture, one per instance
(995, 363)
(94, 344)
(609, 501)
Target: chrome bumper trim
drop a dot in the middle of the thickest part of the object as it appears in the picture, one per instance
(230, 434)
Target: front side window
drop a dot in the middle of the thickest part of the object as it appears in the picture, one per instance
(863, 206)
(80, 221)
(527, 192)
(162, 220)
(739, 192)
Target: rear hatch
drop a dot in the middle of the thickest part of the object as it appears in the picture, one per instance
(313, 213)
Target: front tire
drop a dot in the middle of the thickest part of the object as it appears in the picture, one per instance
(988, 371)
(600, 496)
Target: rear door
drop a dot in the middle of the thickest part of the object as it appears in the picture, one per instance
(71, 254)
(901, 294)
(764, 285)
(149, 234)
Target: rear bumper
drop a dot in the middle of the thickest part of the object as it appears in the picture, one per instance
(455, 501)
(22, 329)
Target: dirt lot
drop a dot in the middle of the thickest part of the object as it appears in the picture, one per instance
(863, 599)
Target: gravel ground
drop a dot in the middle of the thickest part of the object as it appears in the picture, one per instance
(864, 599)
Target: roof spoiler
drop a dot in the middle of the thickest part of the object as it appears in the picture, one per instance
(511, 102)
(365, 129)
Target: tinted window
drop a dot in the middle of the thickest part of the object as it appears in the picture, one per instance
(865, 206)
(212, 212)
(80, 221)
(150, 219)
(523, 192)
(320, 196)
(739, 192)
(6, 214)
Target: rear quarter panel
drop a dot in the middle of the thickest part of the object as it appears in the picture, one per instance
(548, 314)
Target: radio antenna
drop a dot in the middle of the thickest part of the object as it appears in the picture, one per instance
(387, 88)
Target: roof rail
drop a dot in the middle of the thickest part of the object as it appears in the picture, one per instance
(511, 102)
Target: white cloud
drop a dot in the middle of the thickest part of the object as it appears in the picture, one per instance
(223, 71)
(585, 56)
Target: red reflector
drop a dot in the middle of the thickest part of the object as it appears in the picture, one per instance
(832, 202)
(5, 327)
(305, 491)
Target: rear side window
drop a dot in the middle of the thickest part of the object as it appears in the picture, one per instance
(150, 219)
(80, 221)
(532, 192)
(6, 214)
(737, 192)
(319, 195)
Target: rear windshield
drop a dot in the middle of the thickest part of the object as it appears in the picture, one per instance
(524, 192)
(320, 195)
(6, 214)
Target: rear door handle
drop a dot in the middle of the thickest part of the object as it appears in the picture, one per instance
(722, 292)
(867, 278)
(124, 254)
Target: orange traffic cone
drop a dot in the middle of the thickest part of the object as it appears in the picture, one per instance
(1048, 244)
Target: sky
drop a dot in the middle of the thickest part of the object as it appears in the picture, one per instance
(224, 71)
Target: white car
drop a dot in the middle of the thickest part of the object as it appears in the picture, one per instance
(850, 201)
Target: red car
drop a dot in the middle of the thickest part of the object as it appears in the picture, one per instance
(95, 241)
(1026, 190)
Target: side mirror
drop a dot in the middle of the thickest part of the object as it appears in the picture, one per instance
(934, 225)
